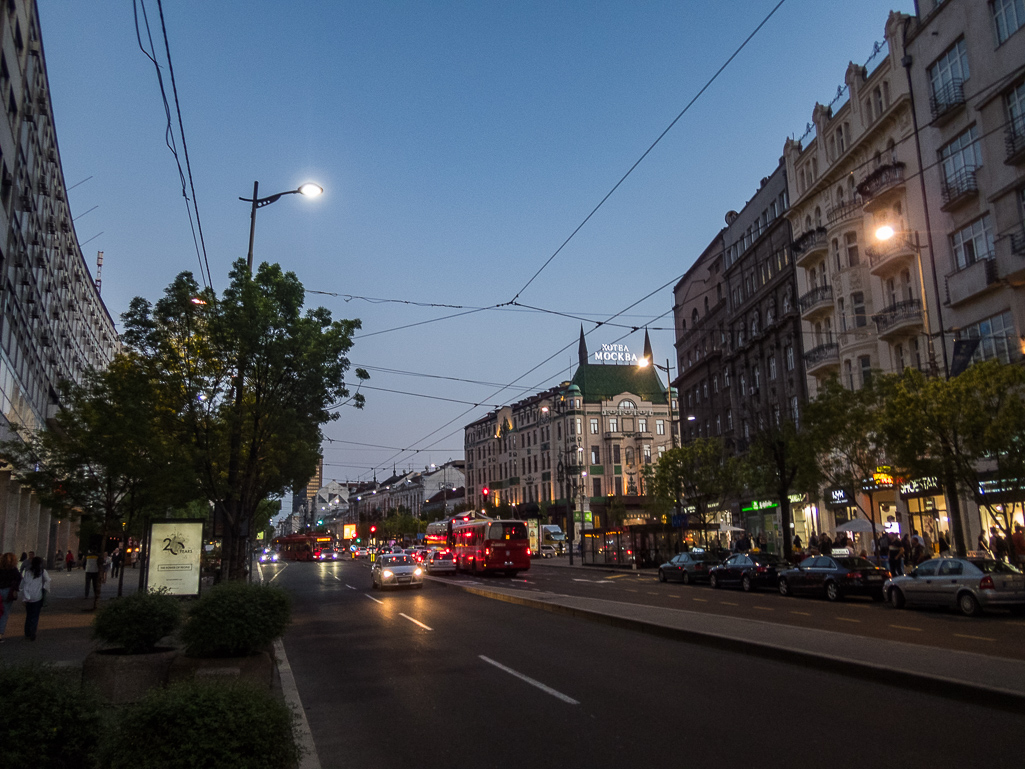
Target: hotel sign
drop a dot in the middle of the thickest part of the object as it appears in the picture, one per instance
(615, 353)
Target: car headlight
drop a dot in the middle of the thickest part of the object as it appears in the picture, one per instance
(418, 572)
(386, 574)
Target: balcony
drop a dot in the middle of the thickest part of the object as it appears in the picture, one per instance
(881, 187)
(818, 301)
(886, 257)
(973, 280)
(821, 358)
(810, 244)
(844, 213)
(946, 102)
(959, 188)
(899, 320)
(1011, 260)
(1015, 141)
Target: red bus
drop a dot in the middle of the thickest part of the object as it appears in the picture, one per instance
(439, 533)
(486, 545)
(303, 547)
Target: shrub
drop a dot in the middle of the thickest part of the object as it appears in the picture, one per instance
(137, 622)
(48, 719)
(235, 619)
(210, 723)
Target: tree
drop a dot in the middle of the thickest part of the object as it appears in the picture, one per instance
(962, 430)
(702, 470)
(253, 379)
(843, 437)
(779, 461)
(107, 456)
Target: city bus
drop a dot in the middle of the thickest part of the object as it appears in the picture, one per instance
(487, 545)
(303, 547)
(439, 533)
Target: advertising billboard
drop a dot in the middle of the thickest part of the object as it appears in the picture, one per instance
(174, 552)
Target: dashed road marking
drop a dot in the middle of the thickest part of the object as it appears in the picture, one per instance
(729, 603)
(415, 621)
(531, 681)
(802, 613)
(702, 600)
(974, 637)
(764, 608)
(907, 627)
(373, 599)
(847, 619)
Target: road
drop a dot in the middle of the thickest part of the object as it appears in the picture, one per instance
(441, 678)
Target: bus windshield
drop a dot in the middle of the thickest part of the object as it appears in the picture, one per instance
(507, 530)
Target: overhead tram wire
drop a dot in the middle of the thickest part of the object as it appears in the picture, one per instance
(684, 111)
(204, 268)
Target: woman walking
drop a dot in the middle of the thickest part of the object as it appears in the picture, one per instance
(10, 579)
(34, 585)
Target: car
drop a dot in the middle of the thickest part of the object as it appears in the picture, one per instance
(548, 551)
(749, 571)
(968, 584)
(328, 554)
(394, 570)
(269, 556)
(441, 562)
(834, 576)
(688, 567)
(361, 552)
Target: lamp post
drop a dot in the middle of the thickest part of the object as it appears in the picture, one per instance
(309, 189)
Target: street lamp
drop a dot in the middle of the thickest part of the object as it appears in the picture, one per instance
(308, 189)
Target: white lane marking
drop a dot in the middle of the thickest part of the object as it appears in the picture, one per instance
(531, 681)
(372, 598)
(290, 691)
(336, 577)
(415, 621)
(279, 572)
(907, 627)
(847, 619)
(350, 586)
(974, 637)
(593, 581)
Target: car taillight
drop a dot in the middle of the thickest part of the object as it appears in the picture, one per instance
(986, 583)
(853, 575)
(761, 570)
(487, 551)
(889, 575)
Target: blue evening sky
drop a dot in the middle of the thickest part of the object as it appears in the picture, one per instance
(459, 144)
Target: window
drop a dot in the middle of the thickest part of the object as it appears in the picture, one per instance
(841, 311)
(595, 455)
(858, 309)
(997, 336)
(580, 426)
(772, 368)
(1015, 102)
(960, 158)
(972, 243)
(596, 487)
(627, 404)
(642, 425)
(629, 455)
(790, 357)
(729, 419)
(646, 450)
(594, 427)
(661, 451)
(850, 240)
(1009, 16)
(617, 457)
(865, 363)
(848, 374)
(613, 424)
(948, 74)
(660, 427)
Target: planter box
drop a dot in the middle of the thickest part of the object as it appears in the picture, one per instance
(122, 678)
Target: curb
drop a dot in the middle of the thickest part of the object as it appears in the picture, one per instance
(936, 685)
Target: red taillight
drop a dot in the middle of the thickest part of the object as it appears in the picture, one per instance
(853, 575)
(986, 583)
(761, 570)
(487, 551)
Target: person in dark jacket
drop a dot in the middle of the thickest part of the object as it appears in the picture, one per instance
(10, 581)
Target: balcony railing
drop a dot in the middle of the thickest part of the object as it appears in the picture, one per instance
(1018, 243)
(946, 100)
(824, 353)
(1015, 140)
(842, 213)
(898, 314)
(897, 246)
(812, 240)
(816, 296)
(884, 178)
(959, 186)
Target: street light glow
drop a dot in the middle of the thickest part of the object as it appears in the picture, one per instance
(643, 362)
(310, 190)
(885, 232)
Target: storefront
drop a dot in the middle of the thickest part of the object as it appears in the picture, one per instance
(1003, 503)
(926, 509)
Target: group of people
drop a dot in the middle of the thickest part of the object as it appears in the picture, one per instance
(1003, 548)
(28, 582)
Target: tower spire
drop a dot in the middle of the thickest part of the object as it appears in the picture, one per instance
(647, 348)
(582, 350)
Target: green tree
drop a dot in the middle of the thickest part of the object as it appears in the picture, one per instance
(702, 472)
(253, 378)
(961, 430)
(107, 455)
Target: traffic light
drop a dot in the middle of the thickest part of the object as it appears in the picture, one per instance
(373, 529)
(485, 491)
(358, 540)
(320, 521)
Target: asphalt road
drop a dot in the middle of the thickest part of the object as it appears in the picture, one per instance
(441, 678)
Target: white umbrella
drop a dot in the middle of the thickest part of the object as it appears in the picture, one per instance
(858, 525)
(727, 527)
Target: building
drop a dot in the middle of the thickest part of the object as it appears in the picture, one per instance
(54, 326)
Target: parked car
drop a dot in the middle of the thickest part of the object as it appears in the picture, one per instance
(441, 562)
(687, 567)
(396, 571)
(548, 551)
(970, 584)
(834, 577)
(748, 570)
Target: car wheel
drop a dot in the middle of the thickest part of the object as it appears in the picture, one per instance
(686, 577)
(747, 584)
(896, 598)
(661, 576)
(833, 591)
(713, 582)
(969, 605)
(783, 587)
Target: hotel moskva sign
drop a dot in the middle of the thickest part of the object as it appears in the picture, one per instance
(615, 353)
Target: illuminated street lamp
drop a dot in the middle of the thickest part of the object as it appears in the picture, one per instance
(309, 190)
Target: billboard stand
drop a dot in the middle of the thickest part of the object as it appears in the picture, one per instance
(173, 556)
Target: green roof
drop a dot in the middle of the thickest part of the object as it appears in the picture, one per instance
(601, 383)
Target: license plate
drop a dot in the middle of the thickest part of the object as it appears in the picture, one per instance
(873, 578)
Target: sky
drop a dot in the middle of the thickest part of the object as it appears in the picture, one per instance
(459, 145)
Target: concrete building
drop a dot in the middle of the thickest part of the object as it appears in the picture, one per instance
(54, 325)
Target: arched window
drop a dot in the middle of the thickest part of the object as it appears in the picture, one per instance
(839, 197)
(818, 216)
(694, 316)
(807, 223)
(627, 404)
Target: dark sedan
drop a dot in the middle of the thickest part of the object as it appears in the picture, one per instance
(834, 577)
(748, 570)
(687, 568)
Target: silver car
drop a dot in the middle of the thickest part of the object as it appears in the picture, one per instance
(970, 584)
(441, 562)
(395, 571)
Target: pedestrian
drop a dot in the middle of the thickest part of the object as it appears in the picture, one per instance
(825, 544)
(883, 551)
(797, 542)
(982, 546)
(896, 555)
(10, 580)
(762, 542)
(26, 561)
(997, 546)
(70, 559)
(59, 559)
(34, 585)
(943, 545)
(1018, 543)
(92, 573)
(116, 560)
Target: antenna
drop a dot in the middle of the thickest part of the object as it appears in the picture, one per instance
(99, 270)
